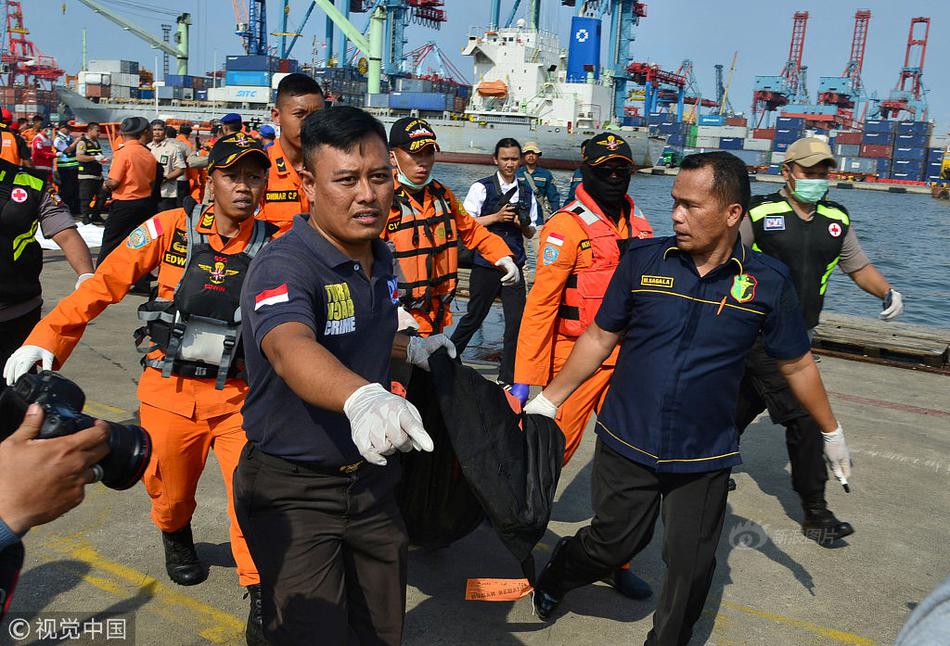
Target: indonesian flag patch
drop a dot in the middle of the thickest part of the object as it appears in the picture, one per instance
(144, 234)
(271, 297)
(555, 239)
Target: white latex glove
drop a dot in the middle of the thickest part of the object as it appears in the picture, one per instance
(25, 358)
(405, 320)
(893, 305)
(512, 274)
(420, 349)
(837, 454)
(541, 406)
(82, 278)
(382, 423)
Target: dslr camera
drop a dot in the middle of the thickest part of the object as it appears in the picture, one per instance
(130, 447)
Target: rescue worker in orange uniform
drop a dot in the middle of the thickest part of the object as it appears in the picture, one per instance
(581, 246)
(425, 223)
(192, 389)
(12, 146)
(297, 96)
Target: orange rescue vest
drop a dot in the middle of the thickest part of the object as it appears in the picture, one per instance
(427, 252)
(9, 150)
(586, 287)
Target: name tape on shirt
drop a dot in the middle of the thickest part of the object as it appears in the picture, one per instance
(282, 196)
(584, 245)
(144, 234)
(273, 296)
(656, 281)
(774, 223)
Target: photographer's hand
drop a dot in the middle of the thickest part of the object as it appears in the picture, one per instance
(40, 480)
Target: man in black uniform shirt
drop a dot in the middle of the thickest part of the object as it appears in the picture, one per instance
(313, 490)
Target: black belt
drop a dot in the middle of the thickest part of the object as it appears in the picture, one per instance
(306, 465)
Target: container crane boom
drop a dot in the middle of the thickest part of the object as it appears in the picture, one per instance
(909, 94)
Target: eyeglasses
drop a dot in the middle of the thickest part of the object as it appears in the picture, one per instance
(622, 171)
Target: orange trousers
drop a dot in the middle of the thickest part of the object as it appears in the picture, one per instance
(574, 414)
(179, 451)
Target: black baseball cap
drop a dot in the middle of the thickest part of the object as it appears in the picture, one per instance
(228, 150)
(133, 126)
(412, 134)
(605, 146)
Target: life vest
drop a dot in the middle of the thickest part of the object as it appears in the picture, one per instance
(427, 253)
(510, 233)
(21, 258)
(94, 167)
(586, 286)
(64, 160)
(200, 330)
(9, 150)
(811, 249)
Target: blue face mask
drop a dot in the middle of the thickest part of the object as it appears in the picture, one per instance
(810, 190)
(405, 181)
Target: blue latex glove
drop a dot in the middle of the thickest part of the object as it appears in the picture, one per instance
(520, 391)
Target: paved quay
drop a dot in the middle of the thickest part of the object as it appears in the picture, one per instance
(771, 585)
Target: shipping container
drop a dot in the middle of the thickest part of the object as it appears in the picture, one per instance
(880, 126)
(774, 169)
(763, 133)
(93, 91)
(147, 95)
(790, 123)
(912, 141)
(757, 144)
(907, 176)
(776, 157)
(187, 93)
(246, 94)
(857, 165)
(251, 63)
(287, 65)
(120, 92)
(178, 80)
(712, 120)
(730, 143)
(935, 154)
(135, 93)
(878, 138)
(114, 66)
(460, 102)
(875, 151)
(908, 165)
(883, 166)
(168, 92)
(737, 121)
(787, 135)
(377, 100)
(676, 140)
(847, 150)
(707, 142)
(430, 101)
(780, 146)
(277, 77)
(850, 138)
(914, 128)
(246, 77)
(916, 154)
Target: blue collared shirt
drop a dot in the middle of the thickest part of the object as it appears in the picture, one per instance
(672, 400)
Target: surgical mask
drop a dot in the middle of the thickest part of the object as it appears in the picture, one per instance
(810, 190)
(405, 181)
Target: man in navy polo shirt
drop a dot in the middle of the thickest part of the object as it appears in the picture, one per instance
(313, 490)
(686, 310)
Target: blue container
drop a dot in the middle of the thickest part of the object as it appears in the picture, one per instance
(251, 63)
(880, 125)
(878, 138)
(677, 140)
(787, 135)
(914, 128)
(712, 120)
(780, 146)
(254, 78)
(201, 95)
(934, 168)
(178, 80)
(935, 154)
(908, 165)
(883, 167)
(432, 101)
(731, 143)
(634, 121)
(912, 141)
(774, 169)
(907, 176)
(584, 48)
(147, 94)
(795, 123)
(916, 154)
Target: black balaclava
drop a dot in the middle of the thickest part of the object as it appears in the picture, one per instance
(609, 193)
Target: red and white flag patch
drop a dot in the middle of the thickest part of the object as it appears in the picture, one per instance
(271, 297)
(555, 239)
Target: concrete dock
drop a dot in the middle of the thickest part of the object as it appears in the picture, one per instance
(105, 559)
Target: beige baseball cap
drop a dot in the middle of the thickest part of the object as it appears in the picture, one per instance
(531, 147)
(809, 152)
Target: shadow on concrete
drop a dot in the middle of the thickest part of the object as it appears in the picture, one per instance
(217, 555)
(767, 464)
(39, 586)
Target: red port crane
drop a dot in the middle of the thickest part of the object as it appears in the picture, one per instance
(19, 52)
(772, 92)
(908, 96)
(847, 90)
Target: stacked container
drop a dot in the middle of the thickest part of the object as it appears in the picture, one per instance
(935, 157)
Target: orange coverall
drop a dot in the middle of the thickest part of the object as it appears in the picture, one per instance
(399, 233)
(184, 416)
(283, 198)
(542, 349)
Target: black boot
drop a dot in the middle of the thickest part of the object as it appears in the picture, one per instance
(254, 633)
(820, 524)
(181, 559)
(543, 600)
(628, 584)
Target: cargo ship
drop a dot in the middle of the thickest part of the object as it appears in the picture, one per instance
(524, 91)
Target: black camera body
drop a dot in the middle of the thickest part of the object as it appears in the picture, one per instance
(524, 213)
(130, 447)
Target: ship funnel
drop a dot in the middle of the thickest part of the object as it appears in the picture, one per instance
(584, 50)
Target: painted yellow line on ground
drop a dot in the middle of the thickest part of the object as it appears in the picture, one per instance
(218, 627)
(98, 409)
(807, 626)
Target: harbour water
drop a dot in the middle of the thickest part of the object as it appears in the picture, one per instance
(906, 236)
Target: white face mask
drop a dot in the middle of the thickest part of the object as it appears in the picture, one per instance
(405, 181)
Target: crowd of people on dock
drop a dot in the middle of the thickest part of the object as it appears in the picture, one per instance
(294, 279)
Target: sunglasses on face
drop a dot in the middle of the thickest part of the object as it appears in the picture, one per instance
(615, 170)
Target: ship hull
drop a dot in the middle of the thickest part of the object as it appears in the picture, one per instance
(460, 140)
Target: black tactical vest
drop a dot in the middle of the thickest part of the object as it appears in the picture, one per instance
(811, 249)
(21, 258)
(92, 149)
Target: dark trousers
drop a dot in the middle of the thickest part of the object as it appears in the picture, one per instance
(627, 498)
(12, 335)
(331, 550)
(69, 188)
(484, 286)
(763, 387)
(166, 204)
(88, 191)
(124, 217)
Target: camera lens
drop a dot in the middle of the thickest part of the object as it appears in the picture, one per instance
(130, 448)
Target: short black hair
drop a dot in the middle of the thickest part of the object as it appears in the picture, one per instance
(185, 129)
(507, 142)
(92, 124)
(170, 132)
(156, 122)
(297, 85)
(340, 127)
(38, 117)
(730, 176)
(584, 145)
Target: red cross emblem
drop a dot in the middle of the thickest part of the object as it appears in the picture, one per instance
(834, 229)
(18, 195)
